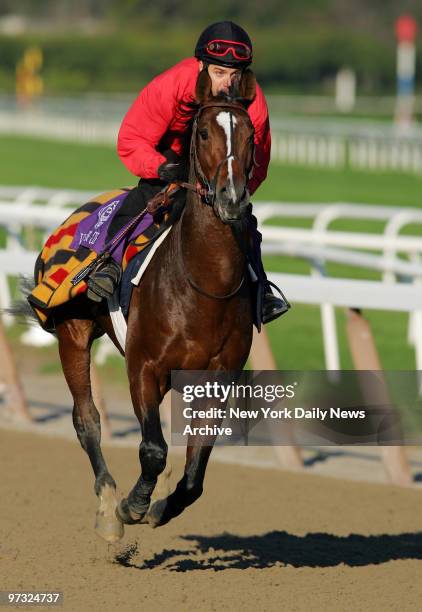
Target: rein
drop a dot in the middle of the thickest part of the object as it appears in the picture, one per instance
(213, 295)
(194, 285)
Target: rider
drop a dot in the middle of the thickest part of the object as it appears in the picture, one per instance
(150, 140)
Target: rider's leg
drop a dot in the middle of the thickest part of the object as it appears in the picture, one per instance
(135, 202)
(272, 306)
(104, 279)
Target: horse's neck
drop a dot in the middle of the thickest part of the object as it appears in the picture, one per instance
(209, 248)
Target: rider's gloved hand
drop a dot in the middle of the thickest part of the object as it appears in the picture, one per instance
(170, 172)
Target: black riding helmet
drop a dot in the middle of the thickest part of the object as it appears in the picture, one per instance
(226, 44)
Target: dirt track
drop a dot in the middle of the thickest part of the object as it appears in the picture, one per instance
(257, 538)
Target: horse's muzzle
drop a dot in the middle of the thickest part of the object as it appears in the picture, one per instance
(229, 209)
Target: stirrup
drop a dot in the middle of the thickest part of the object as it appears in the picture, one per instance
(273, 306)
(103, 280)
(268, 289)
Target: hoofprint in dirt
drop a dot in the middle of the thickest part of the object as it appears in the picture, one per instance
(263, 538)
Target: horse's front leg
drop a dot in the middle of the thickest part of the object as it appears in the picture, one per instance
(146, 398)
(190, 487)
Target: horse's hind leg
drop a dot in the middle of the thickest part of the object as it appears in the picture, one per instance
(75, 338)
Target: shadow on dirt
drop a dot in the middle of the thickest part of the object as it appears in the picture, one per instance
(279, 548)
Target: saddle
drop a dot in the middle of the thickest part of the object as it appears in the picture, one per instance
(76, 244)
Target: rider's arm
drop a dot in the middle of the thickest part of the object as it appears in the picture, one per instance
(144, 125)
(258, 112)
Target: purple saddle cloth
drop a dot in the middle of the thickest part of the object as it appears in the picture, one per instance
(92, 231)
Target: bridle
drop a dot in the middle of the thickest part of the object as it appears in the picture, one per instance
(207, 190)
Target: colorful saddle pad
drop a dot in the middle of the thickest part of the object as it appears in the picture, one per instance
(75, 244)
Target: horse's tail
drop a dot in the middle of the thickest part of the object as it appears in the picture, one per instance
(21, 308)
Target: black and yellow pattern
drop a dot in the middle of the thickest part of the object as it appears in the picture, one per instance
(58, 263)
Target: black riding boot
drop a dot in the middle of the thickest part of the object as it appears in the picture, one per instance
(272, 306)
(103, 280)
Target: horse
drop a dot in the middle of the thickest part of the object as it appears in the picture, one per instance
(191, 311)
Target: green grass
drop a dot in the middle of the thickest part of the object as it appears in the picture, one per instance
(25, 161)
(296, 337)
(302, 184)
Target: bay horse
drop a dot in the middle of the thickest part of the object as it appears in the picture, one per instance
(191, 311)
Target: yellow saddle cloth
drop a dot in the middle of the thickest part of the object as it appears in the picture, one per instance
(58, 263)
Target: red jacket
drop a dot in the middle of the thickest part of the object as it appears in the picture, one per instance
(154, 119)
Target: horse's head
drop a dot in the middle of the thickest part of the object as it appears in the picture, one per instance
(223, 145)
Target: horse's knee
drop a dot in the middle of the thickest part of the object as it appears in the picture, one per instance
(153, 458)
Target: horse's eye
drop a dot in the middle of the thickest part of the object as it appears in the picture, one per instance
(203, 134)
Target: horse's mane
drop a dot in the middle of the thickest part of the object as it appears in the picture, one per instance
(189, 108)
(232, 97)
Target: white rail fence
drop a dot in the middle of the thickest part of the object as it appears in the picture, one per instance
(314, 244)
(45, 209)
(361, 145)
(306, 141)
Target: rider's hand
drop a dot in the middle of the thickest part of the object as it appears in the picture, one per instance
(170, 172)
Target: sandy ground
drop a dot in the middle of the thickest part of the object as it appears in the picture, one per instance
(50, 405)
(257, 538)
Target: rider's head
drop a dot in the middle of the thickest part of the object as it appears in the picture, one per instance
(224, 49)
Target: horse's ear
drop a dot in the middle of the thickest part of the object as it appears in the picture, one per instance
(203, 87)
(247, 86)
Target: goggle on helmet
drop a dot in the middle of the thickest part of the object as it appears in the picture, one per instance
(226, 44)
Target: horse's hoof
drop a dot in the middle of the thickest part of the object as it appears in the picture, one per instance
(109, 529)
(126, 515)
(107, 525)
(156, 513)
